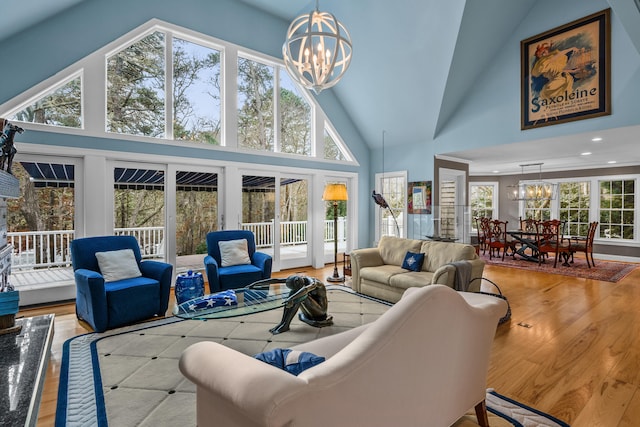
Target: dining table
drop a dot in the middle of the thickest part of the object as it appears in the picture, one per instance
(528, 249)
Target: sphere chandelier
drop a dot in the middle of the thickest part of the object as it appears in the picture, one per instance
(317, 50)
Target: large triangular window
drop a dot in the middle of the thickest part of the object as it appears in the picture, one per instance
(163, 82)
(60, 106)
(333, 150)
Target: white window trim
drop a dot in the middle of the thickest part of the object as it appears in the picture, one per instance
(378, 186)
(93, 71)
(594, 205)
(495, 201)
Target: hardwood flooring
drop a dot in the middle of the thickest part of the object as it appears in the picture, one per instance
(571, 348)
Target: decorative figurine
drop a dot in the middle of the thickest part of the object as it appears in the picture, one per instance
(307, 294)
(7, 149)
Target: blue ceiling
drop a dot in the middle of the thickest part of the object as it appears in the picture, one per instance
(414, 60)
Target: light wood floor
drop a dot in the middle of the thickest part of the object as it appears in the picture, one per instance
(571, 348)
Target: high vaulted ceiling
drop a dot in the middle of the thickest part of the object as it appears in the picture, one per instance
(413, 62)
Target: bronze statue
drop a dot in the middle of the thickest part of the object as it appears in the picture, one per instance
(7, 149)
(307, 294)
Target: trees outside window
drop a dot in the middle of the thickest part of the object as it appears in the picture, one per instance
(332, 150)
(167, 83)
(295, 119)
(617, 209)
(483, 200)
(136, 88)
(255, 105)
(196, 92)
(60, 107)
(575, 201)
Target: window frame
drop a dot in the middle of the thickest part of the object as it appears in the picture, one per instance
(93, 69)
(379, 179)
(495, 199)
(594, 206)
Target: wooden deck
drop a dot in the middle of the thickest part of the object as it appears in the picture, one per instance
(63, 276)
(24, 279)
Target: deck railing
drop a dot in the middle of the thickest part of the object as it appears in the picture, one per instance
(40, 249)
(47, 249)
(293, 232)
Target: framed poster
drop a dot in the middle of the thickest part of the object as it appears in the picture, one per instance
(566, 72)
(419, 197)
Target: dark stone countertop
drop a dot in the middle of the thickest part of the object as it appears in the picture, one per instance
(24, 356)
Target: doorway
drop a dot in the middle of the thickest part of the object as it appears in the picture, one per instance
(449, 218)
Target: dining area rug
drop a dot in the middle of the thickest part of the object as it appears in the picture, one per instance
(608, 271)
(130, 377)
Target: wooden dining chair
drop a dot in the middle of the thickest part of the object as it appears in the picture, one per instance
(482, 226)
(549, 238)
(581, 244)
(497, 238)
(528, 224)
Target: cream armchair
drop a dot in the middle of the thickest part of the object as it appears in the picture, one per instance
(423, 362)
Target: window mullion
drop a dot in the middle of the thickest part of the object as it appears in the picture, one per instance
(277, 134)
(168, 85)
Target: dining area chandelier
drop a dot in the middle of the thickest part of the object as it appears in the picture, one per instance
(532, 190)
(317, 50)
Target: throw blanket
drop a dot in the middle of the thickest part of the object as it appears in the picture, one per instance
(462, 276)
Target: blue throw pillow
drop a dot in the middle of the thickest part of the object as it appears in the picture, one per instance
(413, 261)
(291, 361)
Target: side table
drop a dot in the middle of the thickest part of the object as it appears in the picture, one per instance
(346, 267)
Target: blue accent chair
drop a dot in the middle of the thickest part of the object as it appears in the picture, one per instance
(235, 276)
(108, 305)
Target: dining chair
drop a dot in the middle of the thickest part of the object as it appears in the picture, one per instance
(481, 226)
(550, 238)
(497, 238)
(582, 244)
(528, 224)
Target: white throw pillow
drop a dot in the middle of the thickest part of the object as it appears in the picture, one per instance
(234, 252)
(118, 265)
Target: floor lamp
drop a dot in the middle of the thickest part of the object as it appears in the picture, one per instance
(335, 192)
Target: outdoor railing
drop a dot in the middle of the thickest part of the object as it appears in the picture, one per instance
(46, 249)
(150, 239)
(40, 249)
(293, 232)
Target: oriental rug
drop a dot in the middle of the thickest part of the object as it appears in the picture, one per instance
(130, 377)
(608, 271)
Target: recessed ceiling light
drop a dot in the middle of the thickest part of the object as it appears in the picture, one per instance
(496, 171)
(611, 162)
(596, 139)
(586, 153)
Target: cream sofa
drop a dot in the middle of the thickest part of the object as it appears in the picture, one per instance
(416, 365)
(378, 272)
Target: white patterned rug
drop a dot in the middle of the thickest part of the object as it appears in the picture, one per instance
(130, 377)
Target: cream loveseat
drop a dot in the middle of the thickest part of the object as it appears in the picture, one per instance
(378, 272)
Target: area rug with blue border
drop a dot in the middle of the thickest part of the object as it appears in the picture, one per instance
(130, 377)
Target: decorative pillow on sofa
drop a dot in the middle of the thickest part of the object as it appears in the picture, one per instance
(118, 265)
(292, 361)
(413, 261)
(234, 252)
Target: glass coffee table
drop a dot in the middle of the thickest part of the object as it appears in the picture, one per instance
(255, 298)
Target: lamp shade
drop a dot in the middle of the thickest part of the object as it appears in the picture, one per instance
(335, 192)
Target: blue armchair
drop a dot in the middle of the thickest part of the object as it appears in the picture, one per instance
(234, 276)
(111, 304)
